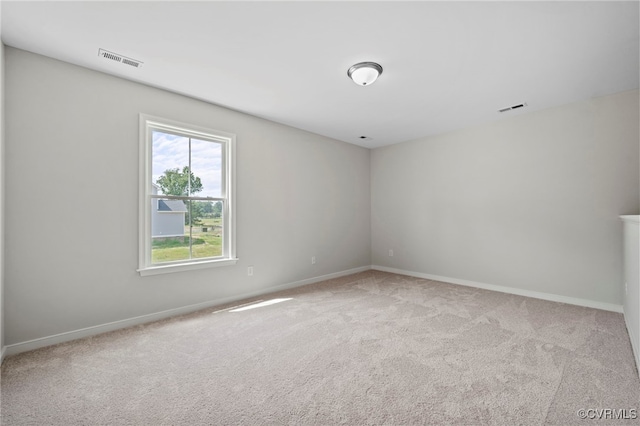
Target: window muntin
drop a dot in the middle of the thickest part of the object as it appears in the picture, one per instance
(187, 211)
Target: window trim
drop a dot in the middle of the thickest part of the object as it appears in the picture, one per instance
(148, 123)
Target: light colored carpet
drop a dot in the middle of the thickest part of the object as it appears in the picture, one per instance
(370, 348)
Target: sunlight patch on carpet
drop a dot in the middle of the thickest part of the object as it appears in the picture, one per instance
(261, 304)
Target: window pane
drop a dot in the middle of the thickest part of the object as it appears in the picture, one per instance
(169, 241)
(207, 229)
(206, 164)
(187, 183)
(169, 157)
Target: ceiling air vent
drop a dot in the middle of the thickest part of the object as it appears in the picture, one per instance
(119, 58)
(522, 105)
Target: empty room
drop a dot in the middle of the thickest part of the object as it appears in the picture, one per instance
(319, 213)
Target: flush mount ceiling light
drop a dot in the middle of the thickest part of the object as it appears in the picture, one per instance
(364, 73)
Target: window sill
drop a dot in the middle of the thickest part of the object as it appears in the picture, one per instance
(167, 269)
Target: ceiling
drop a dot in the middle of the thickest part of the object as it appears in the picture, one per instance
(447, 65)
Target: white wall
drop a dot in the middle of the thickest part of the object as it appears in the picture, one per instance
(632, 281)
(71, 201)
(530, 202)
(1, 192)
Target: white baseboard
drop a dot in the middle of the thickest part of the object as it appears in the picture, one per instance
(511, 290)
(29, 345)
(116, 325)
(2, 352)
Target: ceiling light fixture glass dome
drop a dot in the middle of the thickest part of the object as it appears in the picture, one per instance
(364, 73)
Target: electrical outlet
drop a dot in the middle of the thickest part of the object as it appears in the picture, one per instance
(250, 271)
(313, 260)
(626, 289)
(390, 253)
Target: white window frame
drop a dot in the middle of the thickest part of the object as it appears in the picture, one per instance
(149, 123)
